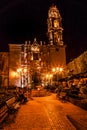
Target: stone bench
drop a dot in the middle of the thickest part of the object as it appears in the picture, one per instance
(3, 113)
(12, 104)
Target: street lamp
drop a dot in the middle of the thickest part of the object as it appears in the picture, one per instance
(61, 69)
(57, 70)
(53, 69)
(49, 78)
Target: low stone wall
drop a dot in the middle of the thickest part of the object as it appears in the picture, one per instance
(38, 93)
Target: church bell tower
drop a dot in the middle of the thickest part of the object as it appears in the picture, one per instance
(57, 52)
(55, 29)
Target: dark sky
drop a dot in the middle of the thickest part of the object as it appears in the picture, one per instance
(22, 20)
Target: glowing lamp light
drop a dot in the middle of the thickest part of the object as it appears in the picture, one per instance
(19, 70)
(50, 75)
(61, 69)
(47, 75)
(53, 70)
(14, 74)
(25, 70)
(57, 68)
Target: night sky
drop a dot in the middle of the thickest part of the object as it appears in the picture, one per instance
(22, 20)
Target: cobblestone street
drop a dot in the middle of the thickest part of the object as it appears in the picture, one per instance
(48, 113)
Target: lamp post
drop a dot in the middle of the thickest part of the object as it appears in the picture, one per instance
(57, 71)
(49, 78)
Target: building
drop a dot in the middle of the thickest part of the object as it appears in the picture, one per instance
(78, 66)
(30, 62)
(4, 70)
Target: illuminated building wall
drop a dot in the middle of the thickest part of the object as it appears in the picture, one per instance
(4, 69)
(14, 63)
(38, 57)
(55, 38)
(78, 65)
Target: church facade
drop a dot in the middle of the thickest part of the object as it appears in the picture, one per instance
(31, 62)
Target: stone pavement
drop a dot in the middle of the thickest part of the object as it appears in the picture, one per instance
(48, 113)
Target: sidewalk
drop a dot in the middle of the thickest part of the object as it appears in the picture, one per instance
(76, 115)
(48, 113)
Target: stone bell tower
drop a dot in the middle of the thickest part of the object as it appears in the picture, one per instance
(55, 40)
(55, 29)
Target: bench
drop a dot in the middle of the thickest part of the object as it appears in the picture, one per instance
(3, 113)
(12, 104)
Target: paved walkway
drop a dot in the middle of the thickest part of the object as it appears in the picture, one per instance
(48, 113)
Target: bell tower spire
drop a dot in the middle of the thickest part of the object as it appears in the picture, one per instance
(55, 29)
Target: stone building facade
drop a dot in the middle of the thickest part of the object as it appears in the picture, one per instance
(4, 70)
(77, 66)
(31, 61)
